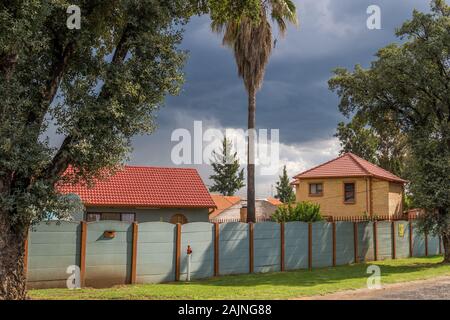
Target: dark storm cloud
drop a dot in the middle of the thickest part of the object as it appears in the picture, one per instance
(295, 96)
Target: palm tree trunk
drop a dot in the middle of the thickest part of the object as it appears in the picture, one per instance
(251, 214)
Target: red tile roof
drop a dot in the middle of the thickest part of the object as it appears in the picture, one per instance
(223, 203)
(146, 187)
(348, 165)
(274, 201)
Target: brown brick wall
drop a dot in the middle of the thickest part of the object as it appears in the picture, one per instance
(386, 196)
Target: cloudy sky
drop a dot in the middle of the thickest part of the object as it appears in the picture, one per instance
(294, 98)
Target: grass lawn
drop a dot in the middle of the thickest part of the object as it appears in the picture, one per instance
(279, 285)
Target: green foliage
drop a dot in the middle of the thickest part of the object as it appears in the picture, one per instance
(302, 211)
(285, 192)
(223, 11)
(381, 142)
(408, 202)
(97, 87)
(430, 176)
(227, 178)
(408, 87)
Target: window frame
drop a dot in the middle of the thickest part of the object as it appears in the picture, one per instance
(315, 194)
(93, 214)
(344, 192)
(100, 214)
(130, 213)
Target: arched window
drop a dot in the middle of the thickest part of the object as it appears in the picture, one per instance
(179, 218)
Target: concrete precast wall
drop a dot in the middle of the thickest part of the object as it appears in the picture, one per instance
(433, 245)
(200, 237)
(345, 243)
(53, 247)
(418, 242)
(108, 253)
(401, 231)
(233, 248)
(322, 244)
(366, 248)
(267, 247)
(156, 252)
(384, 240)
(296, 245)
(111, 252)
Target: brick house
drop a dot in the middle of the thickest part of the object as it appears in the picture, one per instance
(143, 194)
(351, 186)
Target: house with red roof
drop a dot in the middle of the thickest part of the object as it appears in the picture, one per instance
(143, 194)
(231, 208)
(351, 186)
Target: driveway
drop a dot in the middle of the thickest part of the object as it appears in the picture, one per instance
(431, 289)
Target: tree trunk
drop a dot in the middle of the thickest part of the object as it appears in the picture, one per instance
(12, 263)
(251, 215)
(446, 242)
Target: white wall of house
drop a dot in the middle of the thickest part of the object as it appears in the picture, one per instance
(157, 214)
(264, 209)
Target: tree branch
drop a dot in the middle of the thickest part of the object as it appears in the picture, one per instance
(62, 160)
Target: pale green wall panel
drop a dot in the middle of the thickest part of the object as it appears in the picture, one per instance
(296, 245)
(108, 260)
(401, 242)
(267, 247)
(233, 248)
(345, 243)
(418, 242)
(366, 248)
(384, 238)
(200, 236)
(52, 248)
(322, 244)
(156, 252)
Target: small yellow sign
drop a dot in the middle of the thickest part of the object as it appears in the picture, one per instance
(401, 230)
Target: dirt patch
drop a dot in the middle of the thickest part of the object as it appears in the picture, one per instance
(430, 289)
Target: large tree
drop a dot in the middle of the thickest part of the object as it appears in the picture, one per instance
(381, 143)
(227, 177)
(251, 40)
(96, 86)
(409, 85)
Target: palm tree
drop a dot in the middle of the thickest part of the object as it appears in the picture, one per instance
(251, 42)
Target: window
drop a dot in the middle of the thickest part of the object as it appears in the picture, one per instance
(93, 217)
(127, 217)
(110, 216)
(315, 189)
(178, 218)
(349, 193)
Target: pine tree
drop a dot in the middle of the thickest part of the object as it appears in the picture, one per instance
(227, 178)
(285, 192)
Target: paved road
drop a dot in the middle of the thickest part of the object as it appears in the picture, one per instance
(432, 289)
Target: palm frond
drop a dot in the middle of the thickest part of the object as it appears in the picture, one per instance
(283, 11)
(252, 42)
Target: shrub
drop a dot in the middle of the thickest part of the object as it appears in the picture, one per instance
(303, 211)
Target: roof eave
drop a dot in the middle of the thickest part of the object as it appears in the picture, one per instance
(399, 180)
(148, 206)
